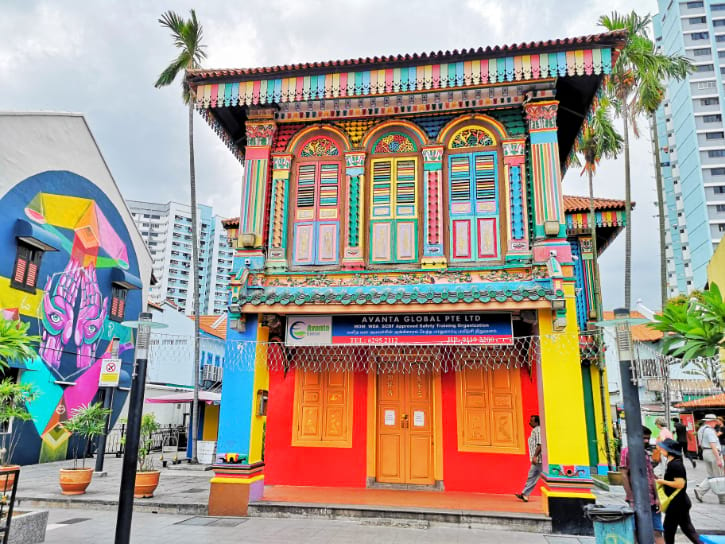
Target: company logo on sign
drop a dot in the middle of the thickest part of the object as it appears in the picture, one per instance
(309, 331)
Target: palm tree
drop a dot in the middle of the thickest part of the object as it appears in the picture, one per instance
(187, 35)
(639, 71)
(599, 139)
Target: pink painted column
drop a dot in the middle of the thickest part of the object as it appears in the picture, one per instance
(514, 159)
(433, 255)
(352, 256)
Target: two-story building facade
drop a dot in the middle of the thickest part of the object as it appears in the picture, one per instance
(403, 287)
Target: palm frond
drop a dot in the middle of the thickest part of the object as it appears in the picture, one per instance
(169, 74)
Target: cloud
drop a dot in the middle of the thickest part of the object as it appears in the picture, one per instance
(102, 58)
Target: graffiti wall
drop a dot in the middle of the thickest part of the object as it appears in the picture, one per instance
(76, 307)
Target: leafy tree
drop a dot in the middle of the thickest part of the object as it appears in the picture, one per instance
(87, 422)
(695, 332)
(13, 407)
(15, 342)
(187, 35)
(636, 86)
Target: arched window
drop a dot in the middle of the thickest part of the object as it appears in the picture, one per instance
(316, 214)
(473, 194)
(394, 199)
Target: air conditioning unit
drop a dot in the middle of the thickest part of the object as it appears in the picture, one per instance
(211, 373)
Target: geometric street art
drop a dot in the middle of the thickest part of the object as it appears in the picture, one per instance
(70, 309)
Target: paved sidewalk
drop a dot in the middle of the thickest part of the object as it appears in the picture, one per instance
(182, 489)
(91, 527)
(708, 516)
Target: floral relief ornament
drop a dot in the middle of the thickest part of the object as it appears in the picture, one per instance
(260, 134)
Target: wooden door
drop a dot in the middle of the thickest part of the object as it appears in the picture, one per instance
(405, 429)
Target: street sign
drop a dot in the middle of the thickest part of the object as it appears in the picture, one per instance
(110, 373)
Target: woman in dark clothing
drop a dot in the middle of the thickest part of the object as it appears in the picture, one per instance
(675, 480)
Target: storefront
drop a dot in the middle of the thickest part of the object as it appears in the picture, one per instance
(405, 293)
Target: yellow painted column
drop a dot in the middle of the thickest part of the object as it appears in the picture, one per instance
(261, 384)
(561, 401)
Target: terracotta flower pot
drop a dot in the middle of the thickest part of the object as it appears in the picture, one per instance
(146, 483)
(74, 481)
(6, 482)
(615, 477)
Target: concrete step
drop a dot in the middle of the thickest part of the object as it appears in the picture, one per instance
(404, 516)
(139, 505)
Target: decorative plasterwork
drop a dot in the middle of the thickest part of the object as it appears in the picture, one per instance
(541, 115)
(259, 134)
(472, 137)
(394, 142)
(320, 147)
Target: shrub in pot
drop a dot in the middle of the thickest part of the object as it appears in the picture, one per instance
(147, 478)
(13, 399)
(86, 423)
(15, 345)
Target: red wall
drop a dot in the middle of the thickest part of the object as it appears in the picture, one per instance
(484, 472)
(287, 465)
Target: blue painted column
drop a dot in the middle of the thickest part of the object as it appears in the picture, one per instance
(236, 411)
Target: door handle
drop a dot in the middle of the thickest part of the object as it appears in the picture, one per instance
(404, 421)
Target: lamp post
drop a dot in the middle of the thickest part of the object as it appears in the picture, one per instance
(637, 457)
(133, 430)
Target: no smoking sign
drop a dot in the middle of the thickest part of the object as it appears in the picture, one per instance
(110, 373)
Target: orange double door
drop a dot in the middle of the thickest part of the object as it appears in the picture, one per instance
(405, 429)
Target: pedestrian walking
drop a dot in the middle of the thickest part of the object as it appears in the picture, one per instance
(720, 431)
(681, 436)
(674, 485)
(653, 498)
(711, 454)
(664, 434)
(534, 457)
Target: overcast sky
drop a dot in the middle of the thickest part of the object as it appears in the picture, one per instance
(102, 57)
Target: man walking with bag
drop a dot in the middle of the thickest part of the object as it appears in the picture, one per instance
(535, 457)
(710, 444)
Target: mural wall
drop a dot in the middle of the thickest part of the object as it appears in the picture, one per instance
(87, 283)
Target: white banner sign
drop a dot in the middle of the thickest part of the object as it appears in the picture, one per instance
(309, 330)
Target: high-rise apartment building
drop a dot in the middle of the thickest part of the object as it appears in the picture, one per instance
(691, 139)
(166, 229)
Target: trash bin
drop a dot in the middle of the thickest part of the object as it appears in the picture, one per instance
(612, 523)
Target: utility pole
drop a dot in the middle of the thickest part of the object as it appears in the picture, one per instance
(133, 431)
(637, 457)
(107, 401)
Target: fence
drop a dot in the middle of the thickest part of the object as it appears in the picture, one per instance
(167, 438)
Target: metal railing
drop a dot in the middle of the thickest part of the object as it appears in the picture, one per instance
(8, 487)
(166, 438)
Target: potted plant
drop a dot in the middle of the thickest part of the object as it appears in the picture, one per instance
(147, 478)
(87, 422)
(15, 345)
(13, 399)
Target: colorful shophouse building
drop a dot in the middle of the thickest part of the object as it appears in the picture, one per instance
(73, 265)
(404, 289)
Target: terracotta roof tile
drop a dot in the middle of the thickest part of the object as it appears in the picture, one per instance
(581, 204)
(640, 333)
(603, 38)
(206, 324)
(714, 401)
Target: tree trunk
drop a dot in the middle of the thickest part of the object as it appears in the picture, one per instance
(627, 214)
(660, 212)
(195, 268)
(598, 309)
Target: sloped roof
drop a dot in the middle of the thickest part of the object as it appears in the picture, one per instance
(640, 333)
(206, 324)
(581, 204)
(714, 401)
(606, 38)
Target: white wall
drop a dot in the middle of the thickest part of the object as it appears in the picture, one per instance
(31, 143)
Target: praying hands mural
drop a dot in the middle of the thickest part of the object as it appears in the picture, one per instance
(89, 247)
